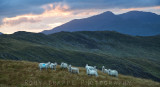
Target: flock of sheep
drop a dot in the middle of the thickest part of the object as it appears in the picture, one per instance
(90, 70)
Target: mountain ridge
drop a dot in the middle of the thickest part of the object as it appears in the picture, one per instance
(132, 23)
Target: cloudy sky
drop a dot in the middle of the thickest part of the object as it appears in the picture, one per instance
(39, 15)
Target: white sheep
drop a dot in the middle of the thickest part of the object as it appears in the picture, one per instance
(44, 65)
(113, 72)
(89, 66)
(90, 70)
(105, 70)
(53, 65)
(73, 69)
(64, 65)
(110, 72)
(86, 67)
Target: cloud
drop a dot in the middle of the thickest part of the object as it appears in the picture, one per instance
(54, 15)
(142, 8)
(17, 20)
(106, 4)
(12, 8)
(50, 10)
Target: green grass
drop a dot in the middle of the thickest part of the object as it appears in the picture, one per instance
(27, 74)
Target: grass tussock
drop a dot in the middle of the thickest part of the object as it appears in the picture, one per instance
(27, 74)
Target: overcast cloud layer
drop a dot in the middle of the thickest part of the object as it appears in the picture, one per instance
(39, 15)
(33, 6)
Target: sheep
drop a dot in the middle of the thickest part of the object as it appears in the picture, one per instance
(86, 67)
(89, 66)
(64, 65)
(105, 70)
(73, 69)
(44, 65)
(95, 68)
(92, 71)
(53, 65)
(113, 72)
(110, 72)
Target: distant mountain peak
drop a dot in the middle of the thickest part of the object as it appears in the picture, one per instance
(133, 23)
(139, 13)
(108, 13)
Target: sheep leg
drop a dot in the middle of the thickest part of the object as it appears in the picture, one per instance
(78, 71)
(55, 68)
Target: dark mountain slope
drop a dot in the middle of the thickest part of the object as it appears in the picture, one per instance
(133, 23)
(130, 55)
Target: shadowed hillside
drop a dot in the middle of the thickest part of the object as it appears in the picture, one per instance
(132, 23)
(27, 74)
(130, 55)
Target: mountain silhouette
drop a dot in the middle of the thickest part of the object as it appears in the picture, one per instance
(132, 23)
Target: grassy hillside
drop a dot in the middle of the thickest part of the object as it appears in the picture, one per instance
(130, 55)
(27, 74)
